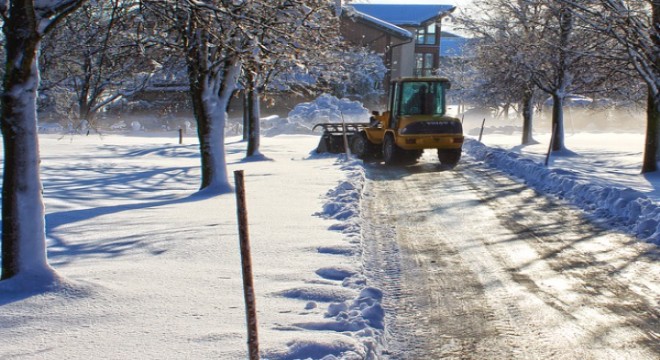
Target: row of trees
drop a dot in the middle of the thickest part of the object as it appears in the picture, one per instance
(108, 49)
(558, 48)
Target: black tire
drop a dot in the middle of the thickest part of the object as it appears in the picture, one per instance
(449, 157)
(361, 147)
(392, 154)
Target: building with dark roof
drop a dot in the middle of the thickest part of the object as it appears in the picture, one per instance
(408, 36)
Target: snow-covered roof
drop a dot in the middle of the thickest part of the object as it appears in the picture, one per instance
(392, 29)
(404, 15)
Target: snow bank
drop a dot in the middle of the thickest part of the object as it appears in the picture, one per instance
(624, 208)
(326, 108)
(362, 317)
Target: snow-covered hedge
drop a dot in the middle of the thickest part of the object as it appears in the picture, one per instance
(630, 209)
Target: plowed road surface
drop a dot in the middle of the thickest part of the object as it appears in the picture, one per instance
(477, 266)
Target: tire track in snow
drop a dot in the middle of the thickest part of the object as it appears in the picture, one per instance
(451, 294)
(477, 266)
(614, 274)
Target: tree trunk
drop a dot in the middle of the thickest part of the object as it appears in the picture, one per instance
(558, 122)
(23, 213)
(651, 148)
(246, 116)
(85, 89)
(528, 117)
(652, 143)
(209, 109)
(563, 76)
(211, 92)
(254, 115)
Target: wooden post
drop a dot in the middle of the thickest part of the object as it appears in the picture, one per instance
(180, 136)
(482, 129)
(246, 261)
(346, 144)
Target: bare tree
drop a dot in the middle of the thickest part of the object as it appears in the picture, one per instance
(635, 26)
(211, 36)
(550, 59)
(282, 33)
(528, 44)
(504, 78)
(25, 22)
(93, 58)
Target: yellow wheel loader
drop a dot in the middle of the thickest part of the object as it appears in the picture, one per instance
(415, 120)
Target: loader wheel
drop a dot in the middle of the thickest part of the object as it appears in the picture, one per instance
(392, 154)
(361, 147)
(449, 157)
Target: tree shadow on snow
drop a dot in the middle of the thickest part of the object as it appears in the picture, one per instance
(564, 243)
(61, 252)
(128, 188)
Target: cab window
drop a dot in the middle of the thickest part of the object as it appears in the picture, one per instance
(422, 98)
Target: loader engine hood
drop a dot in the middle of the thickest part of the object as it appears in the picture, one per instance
(433, 125)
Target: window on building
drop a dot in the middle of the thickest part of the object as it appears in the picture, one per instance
(424, 64)
(426, 36)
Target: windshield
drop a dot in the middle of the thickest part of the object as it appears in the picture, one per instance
(422, 98)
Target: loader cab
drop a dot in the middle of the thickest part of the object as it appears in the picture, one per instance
(415, 120)
(417, 97)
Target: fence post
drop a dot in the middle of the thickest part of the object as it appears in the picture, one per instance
(347, 146)
(180, 136)
(246, 262)
(482, 129)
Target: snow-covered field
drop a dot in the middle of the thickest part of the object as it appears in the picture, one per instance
(153, 271)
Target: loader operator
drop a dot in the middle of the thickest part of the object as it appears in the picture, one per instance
(421, 103)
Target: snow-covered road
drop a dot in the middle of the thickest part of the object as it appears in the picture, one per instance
(477, 266)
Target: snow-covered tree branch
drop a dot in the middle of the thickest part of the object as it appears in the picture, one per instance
(95, 55)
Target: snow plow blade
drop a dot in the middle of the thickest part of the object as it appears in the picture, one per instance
(332, 139)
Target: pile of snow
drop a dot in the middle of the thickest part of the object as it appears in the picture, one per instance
(361, 317)
(629, 209)
(327, 108)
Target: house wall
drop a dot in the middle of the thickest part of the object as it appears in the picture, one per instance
(359, 34)
(159, 103)
(403, 60)
(397, 53)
